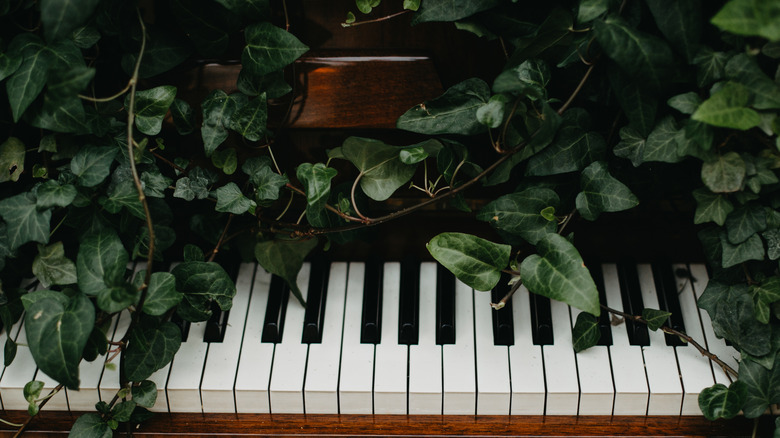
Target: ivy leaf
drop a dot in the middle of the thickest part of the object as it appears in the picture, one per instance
(91, 164)
(520, 214)
(602, 193)
(226, 160)
(121, 411)
(743, 69)
(66, 116)
(151, 106)
(206, 25)
(205, 280)
(52, 194)
(231, 200)
(733, 317)
(745, 222)
(267, 182)
(61, 17)
(269, 48)
(586, 332)
(639, 104)
(162, 294)
(9, 351)
(64, 85)
(474, 261)
(772, 238)
(11, 159)
(183, 116)
(631, 146)
(492, 113)
(685, 103)
(450, 10)
(454, 112)
(51, 266)
(91, 426)
(164, 50)
(24, 221)
(149, 349)
(316, 178)
(558, 272)
(154, 184)
(764, 295)
(711, 207)
(382, 171)
(680, 22)
(643, 56)
(720, 401)
(123, 194)
(573, 148)
(750, 18)
(101, 261)
(9, 63)
(85, 37)
(655, 318)
(190, 188)
(750, 249)
(218, 109)
(590, 9)
(412, 5)
(272, 84)
(662, 144)
(29, 78)
(727, 108)
(528, 79)
(145, 394)
(710, 66)
(284, 258)
(250, 120)
(763, 386)
(724, 173)
(57, 330)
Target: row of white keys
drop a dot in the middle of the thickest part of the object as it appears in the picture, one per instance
(560, 365)
(322, 370)
(289, 364)
(255, 357)
(458, 363)
(628, 368)
(597, 391)
(525, 360)
(425, 358)
(391, 365)
(183, 386)
(357, 360)
(216, 389)
(494, 390)
(660, 361)
(695, 369)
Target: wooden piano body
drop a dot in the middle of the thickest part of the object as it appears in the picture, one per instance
(357, 82)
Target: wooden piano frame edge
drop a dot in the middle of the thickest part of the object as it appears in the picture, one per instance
(49, 424)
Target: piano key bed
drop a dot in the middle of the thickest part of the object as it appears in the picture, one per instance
(405, 346)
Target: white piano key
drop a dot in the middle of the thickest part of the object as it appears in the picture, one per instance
(390, 370)
(597, 392)
(109, 383)
(183, 386)
(525, 360)
(21, 371)
(357, 360)
(494, 390)
(714, 344)
(255, 357)
(322, 371)
(425, 358)
(695, 369)
(560, 365)
(628, 366)
(460, 384)
(289, 366)
(160, 379)
(660, 361)
(219, 372)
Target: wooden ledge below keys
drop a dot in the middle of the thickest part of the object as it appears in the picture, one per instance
(50, 424)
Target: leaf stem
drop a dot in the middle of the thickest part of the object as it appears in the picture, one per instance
(43, 403)
(376, 20)
(578, 89)
(130, 84)
(221, 238)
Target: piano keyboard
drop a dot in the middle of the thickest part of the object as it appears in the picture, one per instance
(355, 350)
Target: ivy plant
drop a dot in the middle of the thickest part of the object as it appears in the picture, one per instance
(591, 91)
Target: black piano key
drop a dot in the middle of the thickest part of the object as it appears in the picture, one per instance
(316, 299)
(216, 324)
(409, 303)
(273, 324)
(541, 320)
(445, 306)
(503, 328)
(631, 294)
(605, 329)
(371, 318)
(183, 325)
(666, 289)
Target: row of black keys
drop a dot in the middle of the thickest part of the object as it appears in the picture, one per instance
(503, 330)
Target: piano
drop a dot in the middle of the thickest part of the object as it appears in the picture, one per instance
(398, 346)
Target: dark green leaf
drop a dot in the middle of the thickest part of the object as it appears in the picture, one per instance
(57, 330)
(763, 386)
(11, 159)
(24, 222)
(267, 182)
(586, 332)
(205, 23)
(492, 113)
(145, 394)
(51, 266)
(450, 10)
(207, 280)
(85, 37)
(316, 178)
(269, 48)
(67, 116)
(573, 148)
(29, 79)
(91, 165)
(231, 200)
(743, 69)
(191, 188)
(728, 108)
(454, 112)
(151, 106)
(90, 426)
(272, 84)
(711, 207)
(686, 103)
(32, 391)
(554, 31)
(764, 295)
(382, 171)
(183, 116)
(529, 79)
(67, 84)
(520, 214)
(558, 272)
(474, 261)
(218, 110)
(149, 349)
(724, 173)
(9, 63)
(733, 317)
(154, 184)
(719, 401)
(123, 194)
(52, 194)
(225, 159)
(122, 411)
(193, 253)
(250, 120)
(284, 258)
(601, 192)
(655, 318)
(745, 222)
(772, 238)
(631, 146)
(61, 17)
(639, 104)
(164, 50)
(750, 17)
(710, 66)
(590, 9)
(9, 351)
(117, 295)
(96, 345)
(100, 262)
(162, 295)
(680, 22)
(750, 249)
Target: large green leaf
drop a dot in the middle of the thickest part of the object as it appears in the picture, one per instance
(573, 148)
(711, 207)
(52, 194)
(64, 85)
(558, 272)
(529, 79)
(100, 262)
(721, 401)
(728, 108)
(681, 23)
(269, 48)
(745, 222)
(162, 294)
(743, 69)
(554, 31)
(9, 62)
(285, 258)
(724, 173)
(763, 386)
(149, 349)
(207, 24)
(24, 221)
(183, 116)
(639, 104)
(710, 66)
(190, 188)
(450, 10)
(231, 200)
(165, 49)
(11, 159)
(206, 280)
(68, 116)
(218, 110)
(57, 330)
(51, 266)
(586, 332)
(123, 195)
(316, 178)
(750, 17)
(520, 214)
(61, 17)
(250, 120)
(454, 112)
(90, 426)
(381, 170)
(733, 317)
(30, 77)
(474, 261)
(92, 164)
(601, 192)
(151, 106)
(764, 295)
(733, 255)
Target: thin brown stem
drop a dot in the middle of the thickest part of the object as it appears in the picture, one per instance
(578, 89)
(221, 240)
(43, 403)
(500, 305)
(376, 20)
(169, 162)
(129, 85)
